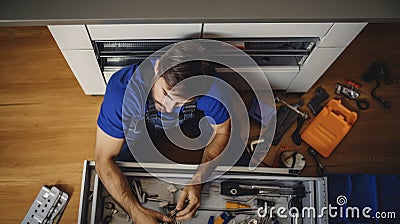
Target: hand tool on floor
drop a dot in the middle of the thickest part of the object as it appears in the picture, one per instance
(277, 160)
(376, 72)
(321, 170)
(259, 141)
(294, 108)
(285, 118)
(351, 91)
(293, 159)
(296, 137)
(258, 149)
(315, 103)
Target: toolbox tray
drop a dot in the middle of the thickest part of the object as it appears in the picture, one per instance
(94, 196)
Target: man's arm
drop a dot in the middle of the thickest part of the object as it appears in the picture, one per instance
(212, 150)
(106, 150)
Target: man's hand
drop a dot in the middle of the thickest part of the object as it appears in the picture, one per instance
(107, 148)
(144, 215)
(192, 194)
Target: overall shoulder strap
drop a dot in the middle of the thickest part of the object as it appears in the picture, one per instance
(152, 116)
(151, 111)
(188, 111)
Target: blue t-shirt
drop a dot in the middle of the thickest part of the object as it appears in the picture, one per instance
(110, 116)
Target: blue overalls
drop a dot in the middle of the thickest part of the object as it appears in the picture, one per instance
(189, 118)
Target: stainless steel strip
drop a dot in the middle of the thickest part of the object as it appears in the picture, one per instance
(83, 191)
(94, 200)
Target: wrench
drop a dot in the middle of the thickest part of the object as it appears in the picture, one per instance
(304, 115)
(321, 170)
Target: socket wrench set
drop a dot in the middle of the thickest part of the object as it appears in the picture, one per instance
(238, 196)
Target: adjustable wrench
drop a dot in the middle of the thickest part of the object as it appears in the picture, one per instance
(304, 115)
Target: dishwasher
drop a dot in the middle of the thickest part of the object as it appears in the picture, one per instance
(262, 195)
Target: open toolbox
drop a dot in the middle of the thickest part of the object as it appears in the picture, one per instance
(278, 188)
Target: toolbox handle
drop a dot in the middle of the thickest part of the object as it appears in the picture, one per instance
(336, 107)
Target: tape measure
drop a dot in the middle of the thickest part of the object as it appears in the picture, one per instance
(293, 159)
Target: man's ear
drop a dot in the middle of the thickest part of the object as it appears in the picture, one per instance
(156, 66)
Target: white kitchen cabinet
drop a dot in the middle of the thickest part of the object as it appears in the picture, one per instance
(260, 30)
(84, 65)
(341, 34)
(71, 37)
(144, 31)
(76, 46)
(318, 62)
(334, 37)
(329, 48)
(75, 41)
(279, 78)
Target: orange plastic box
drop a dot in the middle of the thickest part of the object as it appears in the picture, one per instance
(329, 127)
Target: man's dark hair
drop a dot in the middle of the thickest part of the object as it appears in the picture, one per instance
(181, 71)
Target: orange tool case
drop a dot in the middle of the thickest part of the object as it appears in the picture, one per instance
(329, 127)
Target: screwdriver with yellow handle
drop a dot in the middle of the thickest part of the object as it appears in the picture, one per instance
(235, 205)
(225, 216)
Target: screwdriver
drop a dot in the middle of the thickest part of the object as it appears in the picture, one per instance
(235, 205)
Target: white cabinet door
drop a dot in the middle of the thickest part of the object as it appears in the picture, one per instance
(86, 70)
(249, 30)
(341, 34)
(144, 31)
(280, 78)
(315, 66)
(71, 37)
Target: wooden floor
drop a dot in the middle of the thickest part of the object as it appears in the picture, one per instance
(372, 146)
(47, 124)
